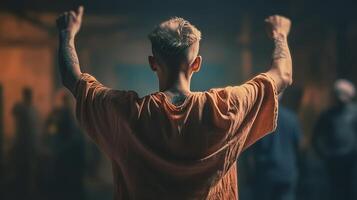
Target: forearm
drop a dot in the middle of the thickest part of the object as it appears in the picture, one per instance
(68, 61)
(281, 68)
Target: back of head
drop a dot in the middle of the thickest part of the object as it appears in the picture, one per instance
(175, 41)
(344, 90)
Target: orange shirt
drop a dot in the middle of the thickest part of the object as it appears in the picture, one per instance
(162, 151)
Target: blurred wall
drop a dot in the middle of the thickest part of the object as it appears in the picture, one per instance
(26, 60)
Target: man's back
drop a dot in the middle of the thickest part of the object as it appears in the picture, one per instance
(176, 152)
(157, 150)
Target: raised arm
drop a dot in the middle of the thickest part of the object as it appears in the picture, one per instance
(68, 25)
(281, 69)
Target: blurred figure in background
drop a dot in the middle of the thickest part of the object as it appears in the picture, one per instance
(66, 145)
(24, 149)
(274, 160)
(335, 140)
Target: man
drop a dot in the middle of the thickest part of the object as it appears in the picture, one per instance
(68, 154)
(24, 149)
(62, 167)
(175, 144)
(275, 160)
(335, 140)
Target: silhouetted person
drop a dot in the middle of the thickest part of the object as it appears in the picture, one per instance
(335, 140)
(274, 160)
(68, 153)
(24, 149)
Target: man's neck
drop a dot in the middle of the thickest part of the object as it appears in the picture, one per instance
(176, 85)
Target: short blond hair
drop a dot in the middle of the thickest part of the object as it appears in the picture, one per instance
(172, 37)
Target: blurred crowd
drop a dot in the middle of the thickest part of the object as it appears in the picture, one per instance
(52, 159)
(48, 159)
(280, 167)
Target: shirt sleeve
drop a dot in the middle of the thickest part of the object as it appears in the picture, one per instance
(102, 111)
(256, 110)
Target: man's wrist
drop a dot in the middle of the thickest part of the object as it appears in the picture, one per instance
(280, 36)
(67, 36)
(281, 47)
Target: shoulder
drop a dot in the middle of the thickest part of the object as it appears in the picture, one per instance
(116, 94)
(17, 107)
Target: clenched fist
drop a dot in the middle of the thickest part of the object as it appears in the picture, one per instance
(70, 22)
(278, 26)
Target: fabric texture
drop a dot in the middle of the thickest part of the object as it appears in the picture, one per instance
(159, 150)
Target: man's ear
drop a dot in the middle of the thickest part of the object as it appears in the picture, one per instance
(153, 63)
(196, 65)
